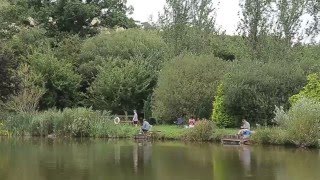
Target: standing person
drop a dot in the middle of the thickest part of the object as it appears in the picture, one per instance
(135, 118)
(192, 122)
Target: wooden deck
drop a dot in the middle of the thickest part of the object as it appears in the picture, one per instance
(146, 136)
(142, 137)
(235, 140)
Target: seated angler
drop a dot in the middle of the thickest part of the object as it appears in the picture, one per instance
(145, 127)
(245, 128)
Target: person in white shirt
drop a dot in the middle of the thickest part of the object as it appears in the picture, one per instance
(245, 127)
(135, 118)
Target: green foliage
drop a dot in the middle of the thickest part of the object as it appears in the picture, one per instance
(26, 42)
(219, 114)
(61, 82)
(303, 123)
(202, 131)
(169, 132)
(122, 86)
(271, 135)
(78, 122)
(252, 89)
(69, 49)
(26, 99)
(311, 90)
(187, 85)
(187, 24)
(3, 131)
(127, 44)
(69, 16)
(8, 84)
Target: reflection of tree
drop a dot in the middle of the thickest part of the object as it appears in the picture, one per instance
(81, 160)
(117, 153)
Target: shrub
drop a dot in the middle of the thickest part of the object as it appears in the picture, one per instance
(303, 123)
(126, 45)
(187, 85)
(311, 90)
(29, 94)
(8, 84)
(270, 135)
(61, 82)
(122, 86)
(202, 131)
(252, 89)
(42, 123)
(18, 124)
(3, 130)
(219, 114)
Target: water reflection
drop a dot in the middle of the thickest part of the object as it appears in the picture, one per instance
(40, 159)
(142, 153)
(245, 158)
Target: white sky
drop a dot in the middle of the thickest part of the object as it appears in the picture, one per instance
(227, 14)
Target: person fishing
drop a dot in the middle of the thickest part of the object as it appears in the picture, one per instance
(245, 128)
(145, 126)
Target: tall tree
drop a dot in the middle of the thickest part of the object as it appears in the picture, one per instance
(181, 17)
(289, 18)
(254, 19)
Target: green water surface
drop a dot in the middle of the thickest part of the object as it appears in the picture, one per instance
(86, 159)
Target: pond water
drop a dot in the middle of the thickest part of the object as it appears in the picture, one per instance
(86, 159)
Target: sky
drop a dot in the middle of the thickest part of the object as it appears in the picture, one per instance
(227, 14)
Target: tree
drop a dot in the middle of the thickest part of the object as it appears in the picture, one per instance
(182, 17)
(70, 16)
(26, 99)
(187, 85)
(131, 44)
(253, 23)
(126, 45)
(289, 18)
(311, 90)
(8, 84)
(122, 86)
(252, 89)
(61, 82)
(219, 113)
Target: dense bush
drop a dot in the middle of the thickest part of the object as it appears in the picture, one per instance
(187, 85)
(303, 123)
(311, 90)
(26, 42)
(127, 44)
(29, 93)
(271, 135)
(219, 114)
(122, 86)
(252, 89)
(202, 131)
(61, 82)
(8, 83)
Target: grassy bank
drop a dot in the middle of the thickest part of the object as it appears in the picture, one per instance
(82, 122)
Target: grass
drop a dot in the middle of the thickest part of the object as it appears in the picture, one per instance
(169, 132)
(82, 122)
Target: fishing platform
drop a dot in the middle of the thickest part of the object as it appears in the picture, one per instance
(235, 140)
